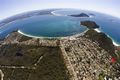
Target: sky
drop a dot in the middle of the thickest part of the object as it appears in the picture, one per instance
(11, 7)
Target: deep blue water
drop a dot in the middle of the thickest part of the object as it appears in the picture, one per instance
(108, 24)
(62, 25)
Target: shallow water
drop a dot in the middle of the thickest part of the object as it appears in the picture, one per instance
(61, 25)
(51, 26)
(108, 24)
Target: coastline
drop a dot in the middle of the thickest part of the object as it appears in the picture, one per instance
(68, 37)
(53, 12)
(114, 43)
(97, 30)
(72, 37)
(41, 37)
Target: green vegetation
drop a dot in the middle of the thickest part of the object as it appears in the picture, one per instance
(89, 24)
(101, 77)
(118, 56)
(7, 73)
(14, 54)
(118, 52)
(104, 41)
(50, 67)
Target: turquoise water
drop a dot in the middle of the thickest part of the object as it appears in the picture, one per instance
(44, 26)
(108, 24)
(60, 25)
(66, 12)
(51, 26)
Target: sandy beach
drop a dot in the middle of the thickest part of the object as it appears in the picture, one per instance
(53, 12)
(115, 43)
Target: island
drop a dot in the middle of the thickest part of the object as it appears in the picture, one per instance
(80, 15)
(89, 24)
(26, 15)
(87, 55)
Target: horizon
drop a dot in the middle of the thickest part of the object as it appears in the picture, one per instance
(13, 7)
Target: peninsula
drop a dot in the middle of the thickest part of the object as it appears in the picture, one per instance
(84, 58)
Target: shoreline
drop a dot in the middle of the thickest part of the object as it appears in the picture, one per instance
(72, 37)
(53, 13)
(57, 14)
(114, 43)
(67, 37)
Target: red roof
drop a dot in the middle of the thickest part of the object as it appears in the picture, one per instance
(113, 60)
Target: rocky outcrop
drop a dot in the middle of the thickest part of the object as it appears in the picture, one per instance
(80, 15)
(89, 24)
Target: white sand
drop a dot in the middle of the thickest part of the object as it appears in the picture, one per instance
(116, 44)
(53, 12)
(97, 30)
